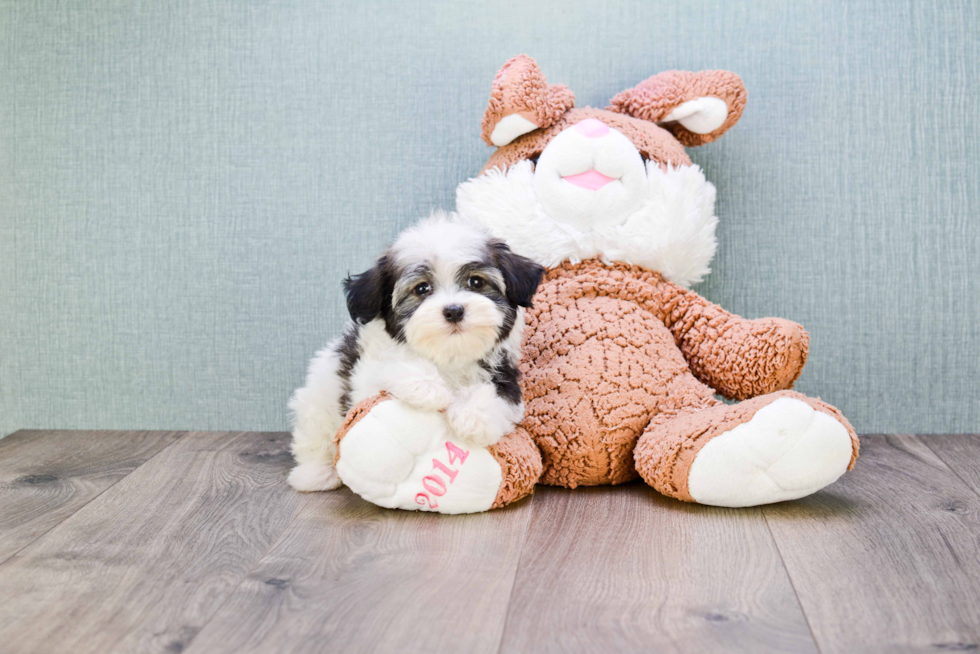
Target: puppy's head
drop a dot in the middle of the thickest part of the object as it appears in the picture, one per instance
(447, 289)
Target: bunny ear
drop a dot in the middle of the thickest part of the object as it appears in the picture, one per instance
(696, 107)
(521, 100)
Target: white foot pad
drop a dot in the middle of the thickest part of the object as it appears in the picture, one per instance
(786, 451)
(400, 457)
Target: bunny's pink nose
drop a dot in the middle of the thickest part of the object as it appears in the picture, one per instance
(592, 128)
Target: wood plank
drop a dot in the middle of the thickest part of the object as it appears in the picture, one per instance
(45, 476)
(961, 452)
(888, 558)
(625, 569)
(348, 576)
(142, 567)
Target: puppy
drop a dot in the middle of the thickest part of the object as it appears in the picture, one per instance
(437, 323)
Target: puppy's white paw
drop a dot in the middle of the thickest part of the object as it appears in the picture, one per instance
(479, 416)
(314, 476)
(423, 392)
(400, 457)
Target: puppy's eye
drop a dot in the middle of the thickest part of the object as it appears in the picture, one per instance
(422, 289)
(475, 283)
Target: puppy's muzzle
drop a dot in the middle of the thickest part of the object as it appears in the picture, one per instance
(453, 313)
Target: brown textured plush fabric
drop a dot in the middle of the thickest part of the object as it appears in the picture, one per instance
(520, 466)
(520, 88)
(654, 142)
(654, 98)
(610, 348)
(667, 449)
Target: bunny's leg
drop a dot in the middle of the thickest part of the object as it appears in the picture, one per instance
(775, 447)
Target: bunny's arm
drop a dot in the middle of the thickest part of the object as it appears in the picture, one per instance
(736, 357)
(739, 358)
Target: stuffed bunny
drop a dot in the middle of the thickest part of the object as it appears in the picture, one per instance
(621, 363)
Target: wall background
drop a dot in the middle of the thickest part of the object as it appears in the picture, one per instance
(183, 185)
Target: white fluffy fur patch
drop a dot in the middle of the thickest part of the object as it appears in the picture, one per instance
(673, 231)
(314, 476)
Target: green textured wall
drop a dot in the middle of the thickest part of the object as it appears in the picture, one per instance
(183, 185)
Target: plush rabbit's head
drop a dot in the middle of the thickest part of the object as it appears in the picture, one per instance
(569, 183)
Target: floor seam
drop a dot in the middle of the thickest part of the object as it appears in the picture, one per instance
(789, 576)
(517, 569)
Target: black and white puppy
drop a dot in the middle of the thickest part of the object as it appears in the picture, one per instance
(437, 323)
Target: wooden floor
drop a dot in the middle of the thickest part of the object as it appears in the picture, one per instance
(192, 542)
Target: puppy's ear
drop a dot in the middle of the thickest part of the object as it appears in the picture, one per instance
(521, 275)
(369, 294)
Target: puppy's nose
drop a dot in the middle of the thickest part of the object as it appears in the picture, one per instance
(592, 128)
(453, 313)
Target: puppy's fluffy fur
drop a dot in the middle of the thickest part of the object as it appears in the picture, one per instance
(438, 323)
